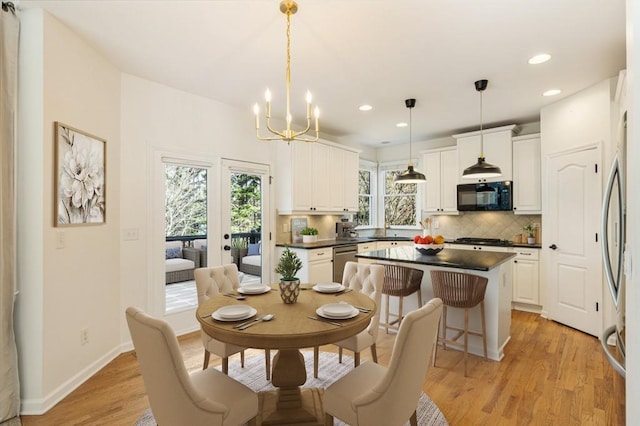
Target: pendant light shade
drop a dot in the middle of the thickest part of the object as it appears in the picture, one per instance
(410, 175)
(481, 169)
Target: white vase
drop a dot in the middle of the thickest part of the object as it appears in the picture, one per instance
(309, 238)
(531, 240)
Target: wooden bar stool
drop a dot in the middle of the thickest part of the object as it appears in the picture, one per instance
(400, 281)
(460, 290)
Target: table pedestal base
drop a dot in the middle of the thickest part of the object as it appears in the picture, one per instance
(304, 409)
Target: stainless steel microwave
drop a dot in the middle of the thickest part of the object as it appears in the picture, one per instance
(488, 196)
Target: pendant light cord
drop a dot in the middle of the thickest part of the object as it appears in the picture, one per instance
(481, 138)
(410, 138)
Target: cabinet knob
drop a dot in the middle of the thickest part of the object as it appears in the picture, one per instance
(515, 261)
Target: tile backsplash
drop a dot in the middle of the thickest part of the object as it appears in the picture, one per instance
(503, 225)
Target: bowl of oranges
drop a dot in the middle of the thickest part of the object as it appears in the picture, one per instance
(428, 244)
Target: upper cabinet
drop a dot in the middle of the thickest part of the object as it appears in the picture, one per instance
(316, 178)
(496, 147)
(526, 175)
(441, 171)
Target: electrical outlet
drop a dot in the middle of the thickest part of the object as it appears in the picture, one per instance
(84, 336)
(285, 227)
(435, 223)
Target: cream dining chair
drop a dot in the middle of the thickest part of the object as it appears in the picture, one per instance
(203, 398)
(367, 279)
(211, 282)
(373, 395)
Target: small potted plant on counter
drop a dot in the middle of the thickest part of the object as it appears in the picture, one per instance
(531, 231)
(309, 235)
(288, 266)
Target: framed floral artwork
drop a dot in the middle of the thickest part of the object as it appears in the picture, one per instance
(80, 177)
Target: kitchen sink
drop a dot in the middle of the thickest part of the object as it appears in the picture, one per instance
(391, 238)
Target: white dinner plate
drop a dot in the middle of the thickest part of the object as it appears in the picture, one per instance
(337, 311)
(328, 287)
(253, 289)
(234, 313)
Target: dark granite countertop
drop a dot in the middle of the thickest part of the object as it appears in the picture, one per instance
(447, 258)
(336, 243)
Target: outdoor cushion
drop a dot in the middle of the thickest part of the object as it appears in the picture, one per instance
(253, 249)
(173, 253)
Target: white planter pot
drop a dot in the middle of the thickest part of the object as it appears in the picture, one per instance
(309, 238)
(531, 240)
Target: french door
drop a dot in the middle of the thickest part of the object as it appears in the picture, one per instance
(245, 219)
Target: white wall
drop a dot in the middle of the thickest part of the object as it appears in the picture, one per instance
(76, 286)
(156, 118)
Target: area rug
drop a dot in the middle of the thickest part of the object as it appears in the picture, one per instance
(330, 370)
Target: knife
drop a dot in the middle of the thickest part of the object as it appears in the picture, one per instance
(328, 322)
(242, 324)
(344, 291)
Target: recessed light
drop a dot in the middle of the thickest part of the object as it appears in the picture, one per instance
(539, 59)
(365, 107)
(402, 124)
(552, 92)
(385, 142)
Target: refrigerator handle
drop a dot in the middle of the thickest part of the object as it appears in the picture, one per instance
(606, 258)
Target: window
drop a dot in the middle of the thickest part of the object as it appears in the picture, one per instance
(366, 195)
(400, 200)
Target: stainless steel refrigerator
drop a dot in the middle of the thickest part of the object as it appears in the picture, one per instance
(613, 250)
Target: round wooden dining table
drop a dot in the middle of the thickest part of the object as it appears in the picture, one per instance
(290, 330)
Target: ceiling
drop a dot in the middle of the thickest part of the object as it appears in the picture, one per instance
(351, 52)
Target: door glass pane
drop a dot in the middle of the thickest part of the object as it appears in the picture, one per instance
(246, 225)
(185, 233)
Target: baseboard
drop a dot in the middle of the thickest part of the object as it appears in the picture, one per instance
(38, 406)
(535, 309)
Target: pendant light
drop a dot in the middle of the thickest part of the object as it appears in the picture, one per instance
(410, 175)
(481, 169)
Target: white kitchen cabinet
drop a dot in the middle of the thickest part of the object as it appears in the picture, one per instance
(316, 178)
(381, 245)
(366, 247)
(441, 171)
(350, 180)
(526, 175)
(479, 247)
(496, 149)
(526, 283)
(317, 264)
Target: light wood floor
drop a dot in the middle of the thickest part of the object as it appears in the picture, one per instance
(550, 375)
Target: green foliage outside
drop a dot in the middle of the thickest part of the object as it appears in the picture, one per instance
(399, 201)
(186, 202)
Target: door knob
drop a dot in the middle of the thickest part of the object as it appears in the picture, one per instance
(226, 236)
(227, 248)
(553, 246)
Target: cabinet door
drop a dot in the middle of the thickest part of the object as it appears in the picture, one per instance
(525, 281)
(321, 271)
(449, 181)
(335, 179)
(350, 180)
(365, 247)
(320, 195)
(468, 151)
(497, 151)
(301, 196)
(431, 161)
(526, 176)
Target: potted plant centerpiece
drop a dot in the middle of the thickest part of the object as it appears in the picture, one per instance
(529, 229)
(288, 267)
(309, 235)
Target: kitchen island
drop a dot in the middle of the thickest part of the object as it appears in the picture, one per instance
(496, 267)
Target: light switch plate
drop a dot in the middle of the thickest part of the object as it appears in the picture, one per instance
(60, 239)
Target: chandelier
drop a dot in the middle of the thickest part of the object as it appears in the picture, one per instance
(288, 7)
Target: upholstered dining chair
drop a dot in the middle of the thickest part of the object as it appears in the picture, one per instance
(177, 398)
(367, 279)
(374, 395)
(211, 282)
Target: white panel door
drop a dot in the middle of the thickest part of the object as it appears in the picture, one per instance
(572, 220)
